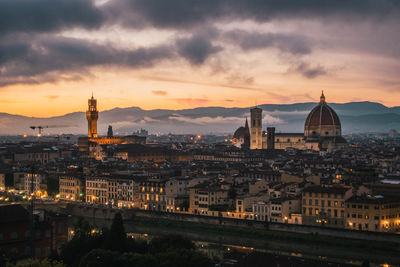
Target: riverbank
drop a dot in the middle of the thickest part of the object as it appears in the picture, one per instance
(341, 250)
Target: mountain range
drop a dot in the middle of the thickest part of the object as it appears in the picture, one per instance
(356, 117)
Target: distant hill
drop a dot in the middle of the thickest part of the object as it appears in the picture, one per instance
(355, 117)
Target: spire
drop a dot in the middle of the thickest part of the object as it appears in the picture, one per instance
(92, 95)
(246, 128)
(322, 98)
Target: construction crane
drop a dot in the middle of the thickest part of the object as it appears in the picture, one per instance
(40, 128)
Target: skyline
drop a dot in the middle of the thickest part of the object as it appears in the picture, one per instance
(187, 54)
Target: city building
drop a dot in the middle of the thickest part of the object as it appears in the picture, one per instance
(50, 232)
(241, 137)
(35, 184)
(205, 197)
(152, 194)
(373, 213)
(72, 187)
(256, 135)
(93, 138)
(325, 205)
(97, 190)
(322, 131)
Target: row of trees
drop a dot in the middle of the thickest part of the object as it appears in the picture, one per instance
(111, 247)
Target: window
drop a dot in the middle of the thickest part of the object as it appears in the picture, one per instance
(37, 252)
(13, 235)
(27, 251)
(61, 227)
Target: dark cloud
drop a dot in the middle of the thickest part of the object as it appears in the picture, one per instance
(30, 58)
(308, 70)
(291, 43)
(196, 49)
(188, 13)
(47, 15)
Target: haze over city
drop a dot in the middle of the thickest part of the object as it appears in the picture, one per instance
(195, 53)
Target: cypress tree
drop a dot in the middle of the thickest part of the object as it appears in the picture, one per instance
(116, 239)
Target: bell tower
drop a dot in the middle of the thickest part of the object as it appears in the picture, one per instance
(92, 115)
(256, 128)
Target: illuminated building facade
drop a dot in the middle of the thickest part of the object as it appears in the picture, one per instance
(256, 141)
(92, 116)
(71, 187)
(322, 131)
(373, 213)
(325, 205)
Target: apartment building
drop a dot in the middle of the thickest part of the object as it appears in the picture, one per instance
(325, 205)
(373, 213)
(204, 197)
(97, 190)
(152, 194)
(35, 182)
(72, 187)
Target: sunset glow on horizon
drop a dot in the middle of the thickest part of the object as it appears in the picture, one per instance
(195, 54)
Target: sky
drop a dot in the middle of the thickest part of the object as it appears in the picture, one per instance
(180, 54)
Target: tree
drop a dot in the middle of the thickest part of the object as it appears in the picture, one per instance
(38, 263)
(170, 242)
(184, 257)
(138, 260)
(116, 238)
(100, 258)
(82, 242)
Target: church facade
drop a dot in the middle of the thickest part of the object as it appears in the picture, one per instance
(322, 131)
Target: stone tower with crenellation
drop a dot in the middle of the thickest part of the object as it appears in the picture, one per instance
(92, 115)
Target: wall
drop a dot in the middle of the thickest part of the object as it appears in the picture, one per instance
(103, 213)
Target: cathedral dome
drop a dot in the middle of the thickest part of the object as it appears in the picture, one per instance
(322, 121)
(239, 133)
